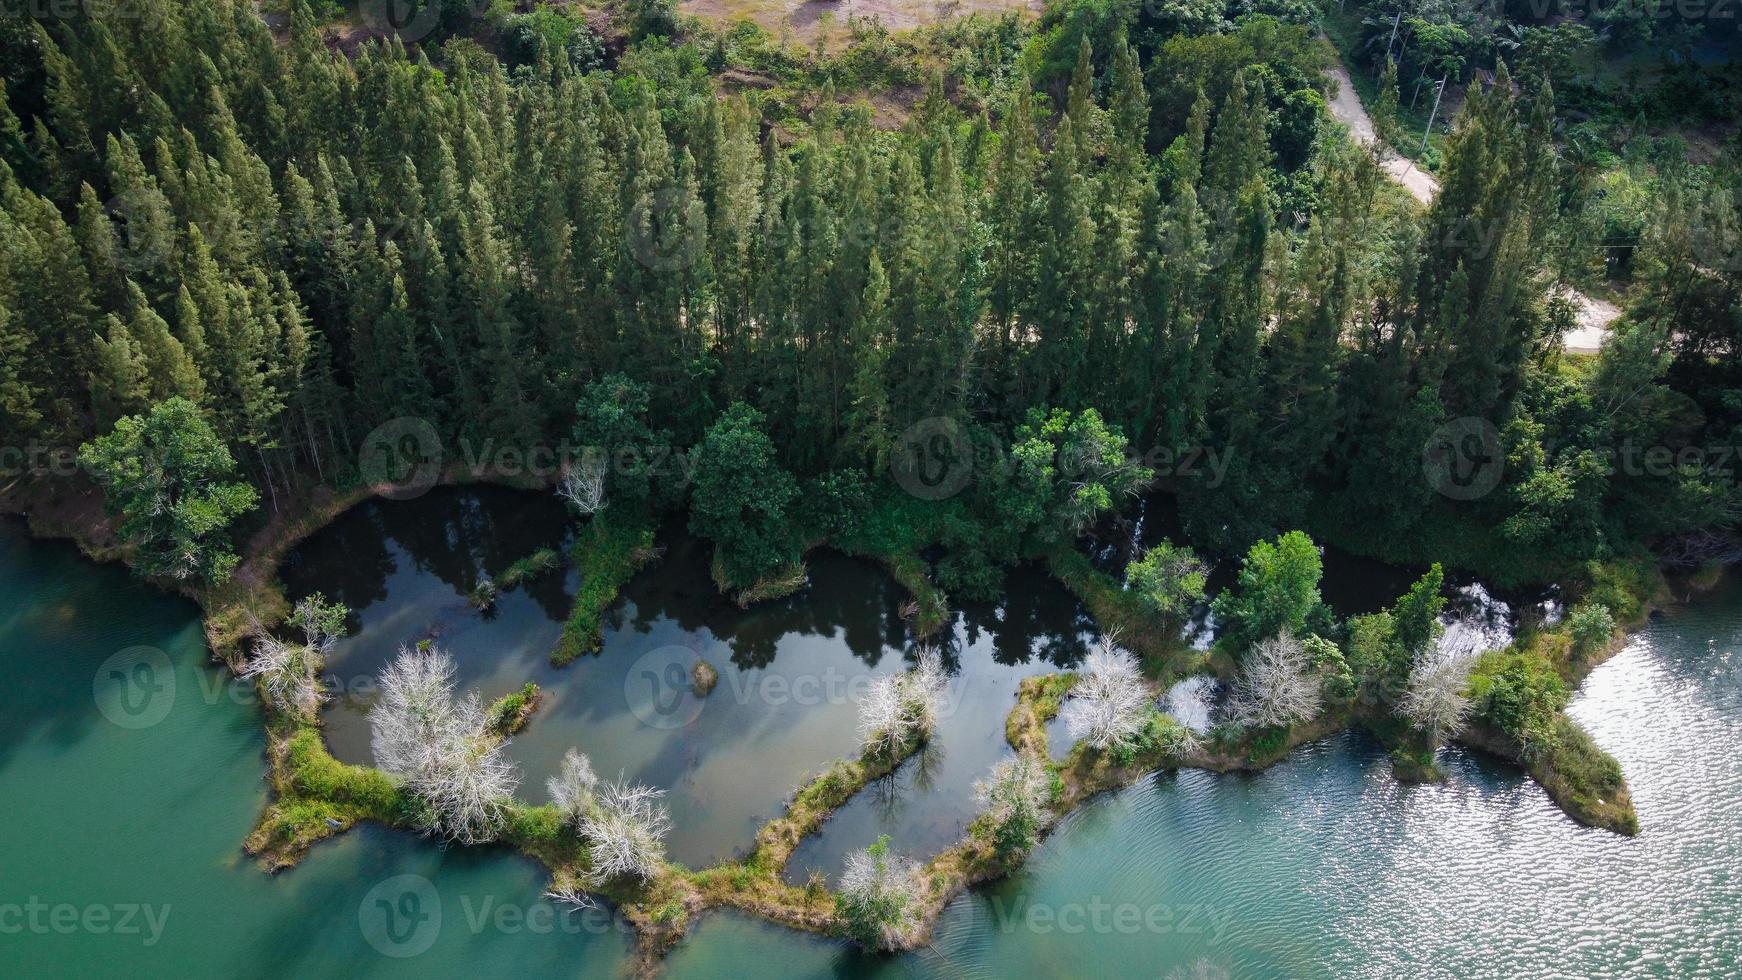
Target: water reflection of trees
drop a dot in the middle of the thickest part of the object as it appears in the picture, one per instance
(456, 535)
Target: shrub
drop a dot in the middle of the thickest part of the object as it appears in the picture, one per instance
(878, 903)
(1015, 798)
(541, 562)
(1591, 626)
(1520, 694)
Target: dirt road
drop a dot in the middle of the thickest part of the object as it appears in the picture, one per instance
(1595, 315)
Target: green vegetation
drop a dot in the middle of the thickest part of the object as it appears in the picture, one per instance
(608, 553)
(162, 475)
(944, 300)
(1169, 579)
(509, 713)
(539, 563)
(1278, 590)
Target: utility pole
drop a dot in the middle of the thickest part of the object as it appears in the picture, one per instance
(1395, 21)
(1430, 116)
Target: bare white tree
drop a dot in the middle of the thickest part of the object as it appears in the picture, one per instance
(583, 484)
(415, 709)
(901, 707)
(570, 896)
(572, 787)
(1435, 701)
(1278, 685)
(287, 675)
(1106, 708)
(879, 898)
(443, 749)
(471, 786)
(625, 831)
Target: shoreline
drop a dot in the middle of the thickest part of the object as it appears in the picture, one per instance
(302, 773)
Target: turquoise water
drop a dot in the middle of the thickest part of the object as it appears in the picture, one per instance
(130, 778)
(1325, 866)
(122, 855)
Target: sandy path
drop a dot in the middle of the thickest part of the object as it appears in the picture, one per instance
(1595, 315)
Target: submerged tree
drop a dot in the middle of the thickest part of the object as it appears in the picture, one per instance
(899, 708)
(1278, 684)
(1107, 707)
(442, 748)
(1015, 797)
(164, 474)
(878, 902)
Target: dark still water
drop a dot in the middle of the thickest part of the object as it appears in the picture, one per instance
(131, 772)
(791, 672)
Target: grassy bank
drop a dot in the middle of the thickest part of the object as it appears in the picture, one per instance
(608, 552)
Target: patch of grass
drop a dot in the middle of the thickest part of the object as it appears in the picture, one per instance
(1413, 764)
(539, 563)
(816, 801)
(318, 796)
(1038, 701)
(509, 713)
(930, 608)
(608, 554)
(1119, 611)
(777, 585)
(1586, 781)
